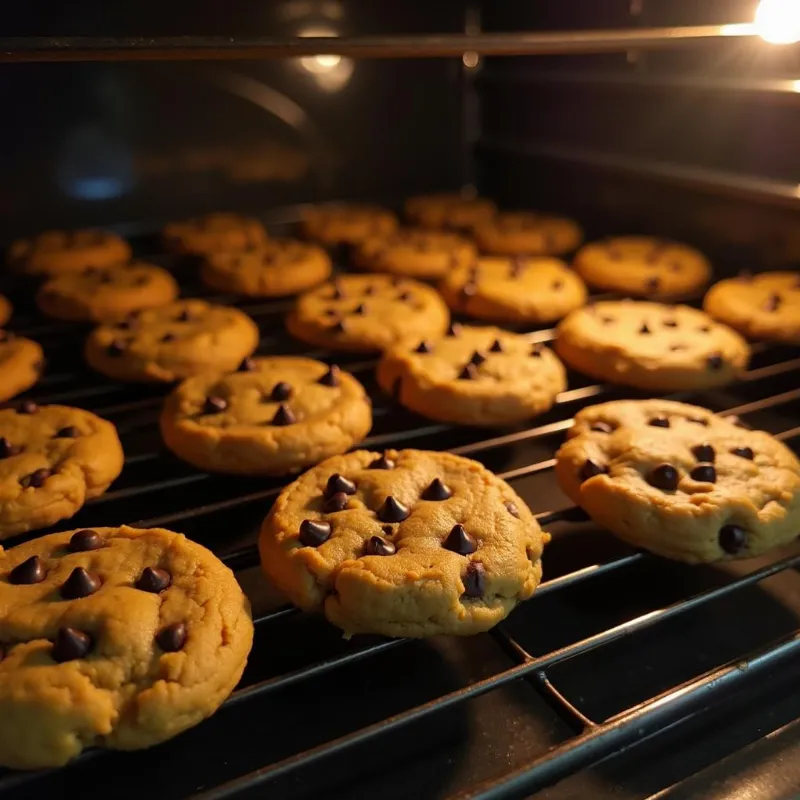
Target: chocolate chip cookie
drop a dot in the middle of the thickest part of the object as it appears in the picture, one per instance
(113, 637)
(277, 268)
(365, 313)
(765, 306)
(346, 224)
(642, 266)
(21, 364)
(512, 233)
(651, 346)
(52, 459)
(407, 543)
(449, 211)
(56, 252)
(214, 233)
(172, 342)
(272, 417)
(6, 310)
(681, 481)
(96, 294)
(473, 376)
(536, 291)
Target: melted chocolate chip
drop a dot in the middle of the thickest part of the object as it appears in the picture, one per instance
(172, 638)
(283, 416)
(382, 462)
(469, 373)
(606, 320)
(474, 580)
(454, 329)
(497, 346)
(676, 347)
(423, 347)
(670, 323)
(29, 571)
(459, 541)
(85, 540)
(601, 427)
(280, 391)
(7, 449)
(653, 284)
(115, 348)
(70, 644)
(715, 361)
(369, 291)
(704, 329)
(36, 479)
(338, 483)
(536, 350)
(704, 452)
(379, 547)
(437, 490)
(79, 584)
(168, 337)
(732, 539)
(360, 309)
(664, 477)
(337, 327)
(556, 285)
(336, 502)
(644, 328)
(392, 511)
(331, 377)
(388, 530)
(337, 293)
(27, 407)
(214, 405)
(247, 365)
(477, 358)
(313, 533)
(183, 316)
(68, 432)
(744, 452)
(404, 297)
(773, 302)
(704, 473)
(153, 580)
(590, 469)
(658, 422)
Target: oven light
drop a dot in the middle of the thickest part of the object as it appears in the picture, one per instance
(778, 21)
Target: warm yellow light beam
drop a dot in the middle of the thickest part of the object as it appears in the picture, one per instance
(778, 21)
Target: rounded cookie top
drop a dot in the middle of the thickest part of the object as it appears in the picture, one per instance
(416, 253)
(518, 290)
(765, 306)
(172, 342)
(54, 252)
(527, 233)
(651, 346)
(21, 364)
(100, 294)
(449, 211)
(277, 268)
(643, 266)
(473, 376)
(274, 416)
(342, 223)
(407, 543)
(364, 313)
(113, 637)
(214, 232)
(52, 459)
(681, 481)
(6, 310)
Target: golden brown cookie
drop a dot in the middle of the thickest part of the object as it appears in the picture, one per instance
(473, 376)
(113, 637)
(95, 294)
(537, 291)
(449, 211)
(272, 417)
(681, 481)
(651, 346)
(415, 253)
(407, 543)
(172, 342)
(213, 233)
(342, 223)
(52, 459)
(6, 310)
(21, 364)
(365, 313)
(56, 252)
(642, 266)
(513, 233)
(765, 306)
(277, 268)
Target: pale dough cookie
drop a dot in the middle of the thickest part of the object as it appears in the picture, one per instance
(172, 342)
(113, 637)
(95, 294)
(642, 266)
(765, 306)
(651, 346)
(681, 481)
(55, 252)
(274, 416)
(473, 376)
(52, 459)
(21, 364)
(449, 211)
(515, 290)
(340, 223)
(364, 313)
(277, 268)
(513, 233)
(6, 310)
(214, 233)
(408, 543)
(415, 253)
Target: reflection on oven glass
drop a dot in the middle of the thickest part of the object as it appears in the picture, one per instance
(330, 72)
(93, 165)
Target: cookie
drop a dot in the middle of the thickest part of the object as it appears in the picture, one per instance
(345, 224)
(407, 543)
(272, 417)
(55, 252)
(52, 459)
(101, 294)
(642, 266)
(277, 268)
(113, 637)
(449, 211)
(473, 376)
(214, 233)
(651, 346)
(365, 313)
(6, 310)
(680, 481)
(415, 253)
(512, 233)
(535, 291)
(21, 364)
(765, 306)
(172, 342)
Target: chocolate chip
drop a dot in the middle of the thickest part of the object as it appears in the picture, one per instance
(79, 584)
(280, 391)
(248, 365)
(360, 309)
(704, 473)
(732, 539)
(115, 348)
(744, 452)
(153, 580)
(590, 469)
(454, 329)
(477, 358)
(382, 462)
(214, 405)
(70, 644)
(336, 502)
(7, 449)
(284, 416)
(392, 510)
(474, 580)
(704, 452)
(469, 373)
(676, 347)
(125, 324)
(437, 490)
(497, 346)
(36, 479)
(313, 533)
(536, 350)
(601, 427)
(69, 432)
(653, 284)
(664, 477)
(29, 571)
(338, 483)
(606, 320)
(337, 327)
(670, 323)
(658, 422)
(773, 302)
(184, 316)
(27, 407)
(337, 293)
(459, 541)
(556, 285)
(388, 530)
(423, 347)
(704, 329)
(644, 328)
(369, 291)
(172, 638)
(715, 361)
(379, 547)
(331, 377)
(85, 540)
(168, 337)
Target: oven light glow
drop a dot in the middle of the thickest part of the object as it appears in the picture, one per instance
(778, 21)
